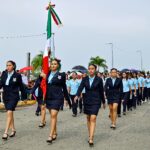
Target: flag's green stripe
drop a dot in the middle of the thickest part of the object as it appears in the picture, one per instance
(49, 25)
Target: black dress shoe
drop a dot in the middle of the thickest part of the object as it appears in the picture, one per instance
(119, 116)
(5, 136)
(12, 134)
(74, 115)
(54, 138)
(91, 144)
(50, 140)
(37, 113)
(113, 127)
(124, 113)
(42, 125)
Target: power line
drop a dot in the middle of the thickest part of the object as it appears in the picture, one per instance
(22, 36)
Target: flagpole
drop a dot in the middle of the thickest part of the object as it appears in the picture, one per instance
(53, 45)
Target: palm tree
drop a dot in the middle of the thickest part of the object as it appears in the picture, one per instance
(37, 64)
(99, 62)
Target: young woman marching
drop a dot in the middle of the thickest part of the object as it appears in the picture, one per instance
(56, 91)
(94, 96)
(11, 82)
(148, 86)
(126, 91)
(135, 100)
(133, 91)
(113, 91)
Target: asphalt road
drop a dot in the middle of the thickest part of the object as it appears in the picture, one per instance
(132, 133)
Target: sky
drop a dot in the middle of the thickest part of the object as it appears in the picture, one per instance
(87, 28)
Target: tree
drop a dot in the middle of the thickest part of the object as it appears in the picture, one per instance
(99, 62)
(37, 64)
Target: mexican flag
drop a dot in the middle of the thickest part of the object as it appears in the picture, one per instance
(47, 51)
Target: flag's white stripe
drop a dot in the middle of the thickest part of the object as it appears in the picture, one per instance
(47, 47)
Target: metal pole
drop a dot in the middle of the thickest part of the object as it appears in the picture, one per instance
(140, 52)
(53, 44)
(112, 52)
(112, 55)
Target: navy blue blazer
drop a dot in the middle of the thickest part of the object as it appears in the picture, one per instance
(94, 95)
(57, 89)
(113, 92)
(11, 91)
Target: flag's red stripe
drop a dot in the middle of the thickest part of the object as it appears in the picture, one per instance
(55, 19)
(45, 69)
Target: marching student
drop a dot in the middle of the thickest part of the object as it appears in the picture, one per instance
(145, 97)
(126, 91)
(148, 86)
(113, 91)
(11, 82)
(73, 86)
(120, 101)
(133, 91)
(141, 88)
(94, 96)
(56, 92)
(135, 100)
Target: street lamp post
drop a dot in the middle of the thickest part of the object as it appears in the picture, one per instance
(112, 51)
(140, 52)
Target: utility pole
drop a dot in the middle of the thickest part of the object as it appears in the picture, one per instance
(141, 56)
(112, 53)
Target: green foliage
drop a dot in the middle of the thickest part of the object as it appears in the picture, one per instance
(99, 62)
(37, 64)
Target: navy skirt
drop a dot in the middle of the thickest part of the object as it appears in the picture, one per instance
(112, 101)
(91, 109)
(10, 104)
(54, 104)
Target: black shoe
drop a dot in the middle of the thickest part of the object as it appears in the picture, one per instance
(54, 138)
(119, 116)
(42, 125)
(37, 114)
(12, 134)
(50, 140)
(5, 136)
(80, 111)
(74, 115)
(91, 144)
(113, 127)
(124, 113)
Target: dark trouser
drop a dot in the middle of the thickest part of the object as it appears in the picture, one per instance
(119, 108)
(145, 94)
(0, 98)
(135, 99)
(130, 101)
(38, 110)
(81, 104)
(125, 100)
(74, 104)
(148, 93)
(140, 95)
